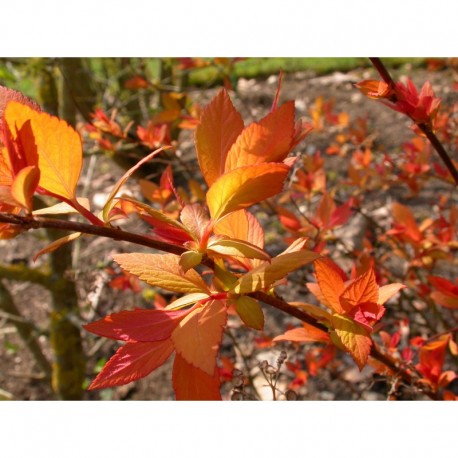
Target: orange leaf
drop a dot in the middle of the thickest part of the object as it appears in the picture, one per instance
(250, 312)
(241, 225)
(245, 186)
(325, 210)
(265, 275)
(198, 335)
(53, 246)
(306, 333)
(363, 289)
(7, 95)
(353, 337)
(386, 292)
(109, 203)
(162, 270)
(24, 185)
(445, 300)
(219, 127)
(6, 174)
(192, 384)
(57, 144)
(404, 217)
(269, 140)
(331, 283)
(374, 89)
(131, 362)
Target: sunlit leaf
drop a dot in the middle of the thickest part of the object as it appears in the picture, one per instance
(109, 203)
(265, 275)
(269, 140)
(53, 246)
(131, 362)
(241, 225)
(353, 337)
(198, 336)
(219, 127)
(386, 292)
(62, 208)
(140, 325)
(363, 289)
(162, 270)
(57, 144)
(245, 186)
(184, 301)
(232, 247)
(331, 282)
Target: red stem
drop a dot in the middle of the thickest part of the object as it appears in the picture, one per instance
(430, 135)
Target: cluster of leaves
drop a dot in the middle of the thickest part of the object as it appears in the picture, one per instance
(216, 260)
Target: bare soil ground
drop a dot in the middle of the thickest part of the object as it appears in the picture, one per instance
(19, 375)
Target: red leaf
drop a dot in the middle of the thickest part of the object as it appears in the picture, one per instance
(139, 325)
(131, 362)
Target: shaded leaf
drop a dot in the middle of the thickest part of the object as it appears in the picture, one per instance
(250, 312)
(193, 384)
(306, 333)
(24, 185)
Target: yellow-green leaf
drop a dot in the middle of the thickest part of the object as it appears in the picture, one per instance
(265, 275)
(190, 259)
(250, 312)
(232, 247)
(353, 337)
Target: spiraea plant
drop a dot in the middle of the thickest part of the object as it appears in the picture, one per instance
(212, 254)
